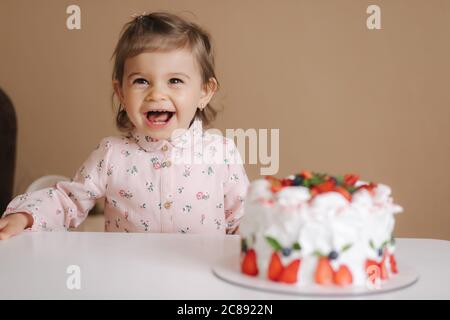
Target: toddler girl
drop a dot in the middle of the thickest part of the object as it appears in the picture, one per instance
(164, 173)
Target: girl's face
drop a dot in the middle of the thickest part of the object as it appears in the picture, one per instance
(161, 91)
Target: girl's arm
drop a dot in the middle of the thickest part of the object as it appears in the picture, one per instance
(68, 203)
(14, 224)
(235, 190)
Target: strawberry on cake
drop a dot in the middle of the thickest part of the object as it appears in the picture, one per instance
(314, 228)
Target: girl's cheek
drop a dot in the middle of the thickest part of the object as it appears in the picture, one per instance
(185, 95)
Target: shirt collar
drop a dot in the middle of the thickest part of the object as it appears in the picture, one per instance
(182, 140)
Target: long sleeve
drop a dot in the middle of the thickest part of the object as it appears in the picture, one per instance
(68, 203)
(235, 189)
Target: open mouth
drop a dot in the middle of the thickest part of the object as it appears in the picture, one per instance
(159, 117)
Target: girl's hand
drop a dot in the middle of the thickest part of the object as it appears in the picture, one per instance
(14, 224)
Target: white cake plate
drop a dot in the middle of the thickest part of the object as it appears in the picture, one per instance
(229, 271)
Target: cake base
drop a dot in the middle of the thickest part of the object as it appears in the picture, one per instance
(229, 270)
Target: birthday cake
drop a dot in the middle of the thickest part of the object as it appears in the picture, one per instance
(313, 228)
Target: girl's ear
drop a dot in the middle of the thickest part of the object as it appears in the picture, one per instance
(208, 91)
(118, 90)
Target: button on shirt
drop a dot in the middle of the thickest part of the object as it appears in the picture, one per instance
(193, 183)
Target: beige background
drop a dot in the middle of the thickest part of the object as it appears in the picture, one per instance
(345, 98)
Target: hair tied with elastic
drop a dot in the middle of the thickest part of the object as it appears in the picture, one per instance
(138, 16)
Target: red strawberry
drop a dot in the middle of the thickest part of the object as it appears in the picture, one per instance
(249, 265)
(275, 267)
(369, 270)
(306, 174)
(324, 272)
(286, 182)
(326, 186)
(350, 179)
(393, 264)
(344, 192)
(289, 274)
(314, 191)
(368, 187)
(382, 271)
(275, 184)
(276, 187)
(370, 263)
(372, 273)
(343, 276)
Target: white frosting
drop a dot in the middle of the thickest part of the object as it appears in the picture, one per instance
(291, 196)
(326, 223)
(259, 189)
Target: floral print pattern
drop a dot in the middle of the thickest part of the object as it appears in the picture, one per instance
(147, 188)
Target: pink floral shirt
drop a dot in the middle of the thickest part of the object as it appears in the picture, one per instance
(194, 183)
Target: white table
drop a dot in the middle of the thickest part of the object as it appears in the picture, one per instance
(168, 266)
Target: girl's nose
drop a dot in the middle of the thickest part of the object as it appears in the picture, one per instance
(156, 93)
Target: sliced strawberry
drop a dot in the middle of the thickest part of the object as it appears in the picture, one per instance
(372, 270)
(249, 265)
(275, 267)
(344, 192)
(289, 274)
(343, 276)
(324, 272)
(369, 270)
(371, 263)
(393, 263)
(351, 179)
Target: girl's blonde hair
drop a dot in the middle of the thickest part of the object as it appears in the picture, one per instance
(162, 31)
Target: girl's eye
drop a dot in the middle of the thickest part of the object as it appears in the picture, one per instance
(175, 81)
(140, 81)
